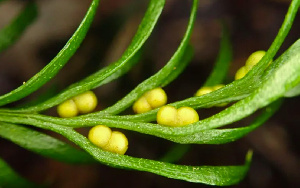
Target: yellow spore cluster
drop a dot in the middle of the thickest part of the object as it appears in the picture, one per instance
(170, 116)
(150, 100)
(252, 60)
(112, 141)
(207, 89)
(83, 103)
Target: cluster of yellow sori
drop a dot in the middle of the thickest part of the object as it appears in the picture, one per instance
(170, 116)
(100, 135)
(167, 115)
(150, 100)
(83, 103)
(112, 141)
(252, 60)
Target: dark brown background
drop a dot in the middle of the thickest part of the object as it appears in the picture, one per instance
(253, 25)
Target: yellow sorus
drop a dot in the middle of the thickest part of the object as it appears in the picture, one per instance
(67, 109)
(100, 135)
(150, 100)
(216, 87)
(83, 103)
(241, 73)
(112, 141)
(86, 102)
(252, 60)
(206, 89)
(117, 143)
(170, 116)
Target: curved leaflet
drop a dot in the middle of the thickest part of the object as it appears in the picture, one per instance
(49, 71)
(43, 144)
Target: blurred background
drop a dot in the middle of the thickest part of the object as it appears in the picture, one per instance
(253, 25)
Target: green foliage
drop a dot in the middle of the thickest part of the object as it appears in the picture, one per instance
(56, 64)
(261, 88)
(42, 144)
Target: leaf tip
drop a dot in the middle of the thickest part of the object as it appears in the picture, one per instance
(249, 156)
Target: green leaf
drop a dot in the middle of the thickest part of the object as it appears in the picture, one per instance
(9, 178)
(49, 71)
(214, 175)
(114, 70)
(12, 32)
(223, 61)
(42, 144)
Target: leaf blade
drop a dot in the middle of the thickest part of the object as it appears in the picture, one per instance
(42, 144)
(213, 175)
(50, 70)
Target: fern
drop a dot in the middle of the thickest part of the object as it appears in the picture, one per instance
(262, 88)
